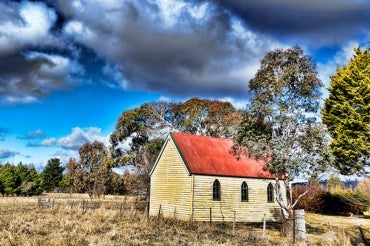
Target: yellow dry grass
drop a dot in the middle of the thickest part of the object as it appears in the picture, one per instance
(116, 221)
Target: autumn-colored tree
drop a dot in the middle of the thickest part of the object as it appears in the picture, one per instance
(282, 127)
(206, 117)
(140, 132)
(364, 187)
(95, 168)
(72, 181)
(347, 113)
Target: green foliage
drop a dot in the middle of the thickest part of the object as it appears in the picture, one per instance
(9, 179)
(347, 113)
(282, 126)
(52, 174)
(2, 191)
(117, 185)
(19, 180)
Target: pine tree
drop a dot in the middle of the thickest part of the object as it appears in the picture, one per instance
(347, 113)
(52, 174)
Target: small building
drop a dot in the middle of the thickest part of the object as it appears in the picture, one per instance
(198, 178)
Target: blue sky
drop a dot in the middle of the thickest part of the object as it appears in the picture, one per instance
(68, 69)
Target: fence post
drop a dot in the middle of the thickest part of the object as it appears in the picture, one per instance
(210, 215)
(145, 213)
(159, 212)
(121, 209)
(300, 225)
(174, 213)
(294, 225)
(264, 226)
(234, 223)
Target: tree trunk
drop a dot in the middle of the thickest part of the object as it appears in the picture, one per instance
(287, 226)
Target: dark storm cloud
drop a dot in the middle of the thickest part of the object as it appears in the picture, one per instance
(173, 47)
(27, 77)
(316, 21)
(31, 64)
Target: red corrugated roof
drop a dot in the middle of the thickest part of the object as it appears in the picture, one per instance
(212, 156)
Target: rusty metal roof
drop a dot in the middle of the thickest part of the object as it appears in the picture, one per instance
(212, 156)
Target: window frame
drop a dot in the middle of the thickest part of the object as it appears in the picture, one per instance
(216, 190)
(244, 192)
(270, 193)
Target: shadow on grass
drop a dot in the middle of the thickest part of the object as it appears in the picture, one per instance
(315, 230)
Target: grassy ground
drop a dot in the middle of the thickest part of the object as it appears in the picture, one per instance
(115, 220)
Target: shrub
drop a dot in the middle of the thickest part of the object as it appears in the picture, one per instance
(339, 202)
(311, 200)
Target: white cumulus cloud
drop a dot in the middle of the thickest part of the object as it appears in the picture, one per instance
(75, 140)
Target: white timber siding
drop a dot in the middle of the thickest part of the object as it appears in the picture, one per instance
(170, 185)
(252, 210)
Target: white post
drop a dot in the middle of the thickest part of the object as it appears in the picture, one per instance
(300, 225)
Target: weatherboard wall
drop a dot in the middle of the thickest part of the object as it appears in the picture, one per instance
(253, 210)
(170, 186)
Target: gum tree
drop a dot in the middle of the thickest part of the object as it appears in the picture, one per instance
(281, 126)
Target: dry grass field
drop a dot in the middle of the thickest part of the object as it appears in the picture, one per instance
(114, 220)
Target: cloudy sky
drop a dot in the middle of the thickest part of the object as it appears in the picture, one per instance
(69, 68)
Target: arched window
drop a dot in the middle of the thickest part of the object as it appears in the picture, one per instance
(216, 190)
(270, 193)
(244, 192)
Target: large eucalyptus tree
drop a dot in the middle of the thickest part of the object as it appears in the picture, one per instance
(282, 125)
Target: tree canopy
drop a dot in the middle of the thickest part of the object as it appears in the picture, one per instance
(281, 126)
(52, 174)
(92, 173)
(346, 112)
(140, 132)
(139, 126)
(19, 180)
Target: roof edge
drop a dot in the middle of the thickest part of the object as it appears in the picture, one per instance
(180, 153)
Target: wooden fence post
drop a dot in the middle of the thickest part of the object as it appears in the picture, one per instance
(264, 226)
(159, 212)
(210, 215)
(120, 209)
(234, 223)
